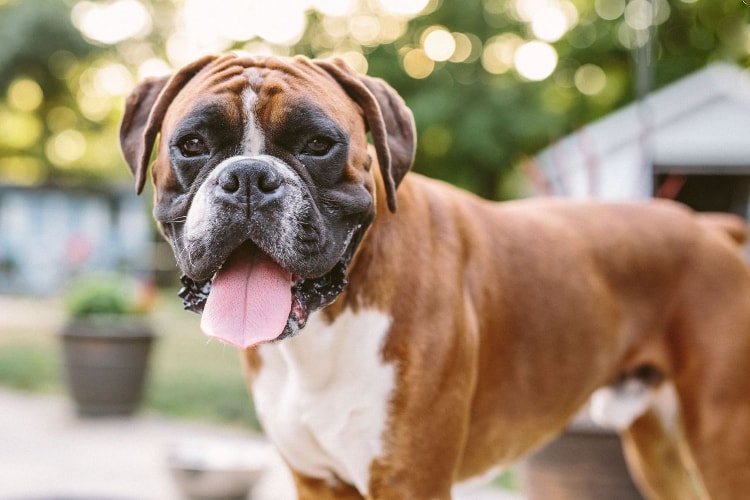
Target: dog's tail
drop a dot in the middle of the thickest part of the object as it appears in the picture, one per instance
(732, 225)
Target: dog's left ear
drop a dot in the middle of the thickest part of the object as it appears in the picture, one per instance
(144, 112)
(390, 121)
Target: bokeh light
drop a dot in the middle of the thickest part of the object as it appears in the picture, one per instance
(153, 67)
(203, 28)
(642, 14)
(200, 27)
(590, 79)
(25, 94)
(95, 107)
(417, 64)
(632, 39)
(281, 23)
(467, 47)
(365, 28)
(66, 147)
(60, 118)
(111, 22)
(356, 60)
(335, 8)
(22, 170)
(499, 53)
(404, 7)
(549, 20)
(19, 130)
(609, 10)
(549, 24)
(535, 60)
(113, 79)
(438, 44)
(525, 40)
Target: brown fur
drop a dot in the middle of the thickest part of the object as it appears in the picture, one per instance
(507, 316)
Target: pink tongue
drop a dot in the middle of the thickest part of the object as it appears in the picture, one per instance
(250, 300)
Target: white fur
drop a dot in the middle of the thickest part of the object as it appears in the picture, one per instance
(323, 396)
(475, 487)
(667, 406)
(618, 406)
(200, 216)
(196, 221)
(254, 137)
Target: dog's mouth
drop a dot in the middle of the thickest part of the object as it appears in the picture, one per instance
(252, 300)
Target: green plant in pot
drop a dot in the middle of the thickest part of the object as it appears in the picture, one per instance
(106, 344)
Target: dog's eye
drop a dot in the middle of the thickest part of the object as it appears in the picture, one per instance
(193, 146)
(317, 146)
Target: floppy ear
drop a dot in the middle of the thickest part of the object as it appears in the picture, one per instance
(145, 108)
(389, 120)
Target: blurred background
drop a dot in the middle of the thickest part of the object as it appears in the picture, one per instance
(491, 83)
(607, 98)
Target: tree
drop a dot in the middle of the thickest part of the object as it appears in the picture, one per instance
(40, 57)
(475, 125)
(471, 70)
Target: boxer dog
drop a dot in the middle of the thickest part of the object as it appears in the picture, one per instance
(399, 341)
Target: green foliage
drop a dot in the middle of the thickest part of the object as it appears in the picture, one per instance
(39, 43)
(188, 377)
(474, 126)
(186, 388)
(29, 367)
(102, 294)
(508, 480)
(31, 32)
(494, 121)
(197, 394)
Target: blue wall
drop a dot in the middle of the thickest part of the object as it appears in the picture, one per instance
(48, 235)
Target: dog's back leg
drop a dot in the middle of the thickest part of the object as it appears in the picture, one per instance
(710, 347)
(716, 417)
(717, 432)
(656, 452)
(644, 408)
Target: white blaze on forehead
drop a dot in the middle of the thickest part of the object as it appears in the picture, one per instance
(253, 139)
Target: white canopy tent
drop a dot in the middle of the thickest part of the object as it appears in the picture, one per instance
(699, 124)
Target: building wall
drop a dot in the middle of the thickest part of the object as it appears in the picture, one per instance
(49, 235)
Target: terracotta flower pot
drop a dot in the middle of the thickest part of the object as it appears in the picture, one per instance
(105, 364)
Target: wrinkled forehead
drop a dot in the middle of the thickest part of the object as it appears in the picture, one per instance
(270, 87)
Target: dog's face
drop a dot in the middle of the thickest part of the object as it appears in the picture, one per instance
(263, 176)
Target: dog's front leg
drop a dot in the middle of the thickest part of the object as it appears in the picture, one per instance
(425, 443)
(390, 481)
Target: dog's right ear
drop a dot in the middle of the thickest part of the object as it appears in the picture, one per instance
(145, 108)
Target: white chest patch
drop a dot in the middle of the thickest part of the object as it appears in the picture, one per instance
(323, 396)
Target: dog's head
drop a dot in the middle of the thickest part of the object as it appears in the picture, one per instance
(263, 181)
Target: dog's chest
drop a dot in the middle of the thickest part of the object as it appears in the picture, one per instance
(323, 395)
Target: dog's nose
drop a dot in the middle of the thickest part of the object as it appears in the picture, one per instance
(253, 182)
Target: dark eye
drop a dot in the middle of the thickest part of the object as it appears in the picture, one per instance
(317, 146)
(193, 146)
